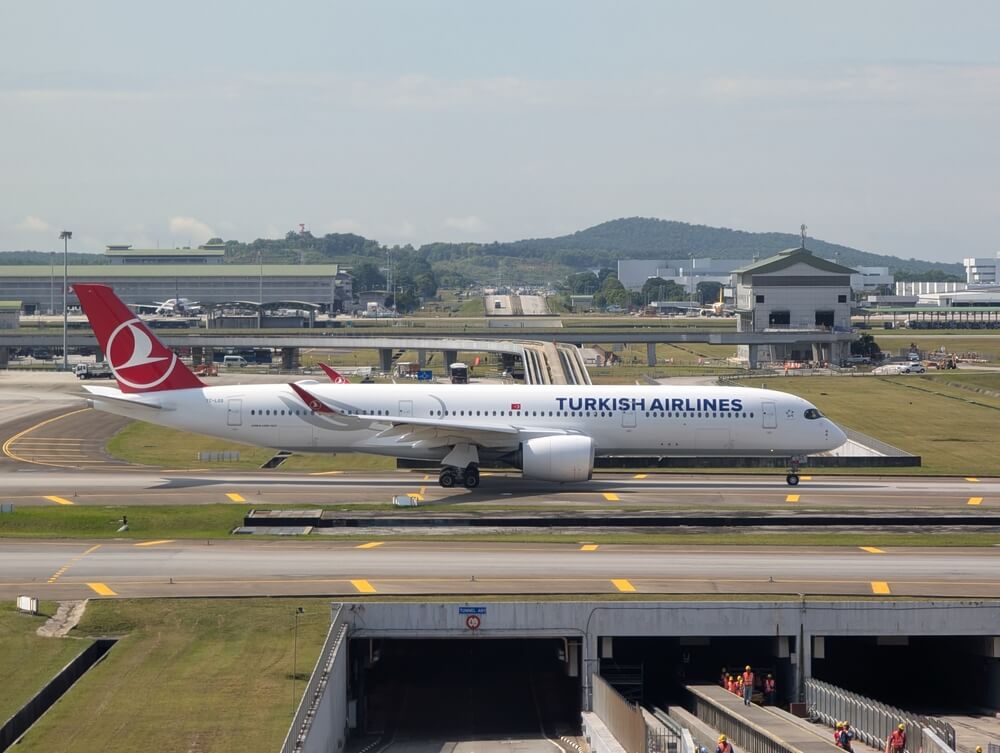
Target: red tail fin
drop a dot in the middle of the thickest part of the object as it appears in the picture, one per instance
(334, 376)
(140, 362)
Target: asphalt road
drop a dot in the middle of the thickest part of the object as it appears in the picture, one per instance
(62, 570)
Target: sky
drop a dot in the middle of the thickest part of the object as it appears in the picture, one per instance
(877, 124)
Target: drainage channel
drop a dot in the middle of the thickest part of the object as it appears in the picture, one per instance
(335, 519)
(32, 711)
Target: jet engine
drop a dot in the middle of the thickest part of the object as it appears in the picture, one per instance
(557, 458)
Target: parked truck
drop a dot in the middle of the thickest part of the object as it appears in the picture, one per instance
(92, 371)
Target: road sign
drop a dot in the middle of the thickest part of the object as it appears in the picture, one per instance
(425, 375)
(472, 610)
(472, 622)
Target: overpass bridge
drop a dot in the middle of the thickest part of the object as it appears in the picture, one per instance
(445, 340)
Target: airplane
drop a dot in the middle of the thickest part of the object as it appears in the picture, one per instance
(172, 307)
(334, 376)
(549, 432)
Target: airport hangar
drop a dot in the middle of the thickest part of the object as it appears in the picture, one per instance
(142, 276)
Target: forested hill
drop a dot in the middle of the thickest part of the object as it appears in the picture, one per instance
(536, 260)
(646, 238)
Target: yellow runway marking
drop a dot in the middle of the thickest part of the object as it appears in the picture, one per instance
(370, 545)
(975, 500)
(363, 586)
(101, 589)
(792, 498)
(427, 477)
(62, 570)
(872, 549)
(59, 500)
(640, 476)
(154, 543)
(973, 479)
(805, 478)
(623, 585)
(94, 548)
(234, 497)
(326, 473)
(416, 495)
(589, 548)
(8, 445)
(880, 587)
(611, 497)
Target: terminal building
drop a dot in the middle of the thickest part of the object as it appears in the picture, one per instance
(144, 276)
(795, 291)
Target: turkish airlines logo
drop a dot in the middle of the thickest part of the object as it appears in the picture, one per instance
(515, 406)
(136, 360)
(340, 380)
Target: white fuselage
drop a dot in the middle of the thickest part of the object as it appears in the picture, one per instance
(622, 420)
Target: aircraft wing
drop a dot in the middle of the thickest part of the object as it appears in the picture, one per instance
(431, 431)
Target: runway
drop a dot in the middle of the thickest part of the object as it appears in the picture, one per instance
(61, 570)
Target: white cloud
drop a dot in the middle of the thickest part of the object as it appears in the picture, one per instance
(470, 224)
(190, 229)
(32, 224)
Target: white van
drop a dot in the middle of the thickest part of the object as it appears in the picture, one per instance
(228, 361)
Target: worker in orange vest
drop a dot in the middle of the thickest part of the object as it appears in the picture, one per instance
(836, 733)
(897, 740)
(845, 737)
(747, 685)
(724, 746)
(769, 690)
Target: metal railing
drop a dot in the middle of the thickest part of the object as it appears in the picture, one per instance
(872, 721)
(623, 719)
(740, 732)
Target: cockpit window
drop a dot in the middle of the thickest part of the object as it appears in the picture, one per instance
(812, 413)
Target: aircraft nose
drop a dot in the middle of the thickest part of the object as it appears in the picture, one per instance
(836, 435)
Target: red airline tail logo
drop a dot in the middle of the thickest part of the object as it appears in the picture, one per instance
(333, 375)
(140, 362)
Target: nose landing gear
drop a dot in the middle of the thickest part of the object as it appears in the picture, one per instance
(793, 471)
(468, 477)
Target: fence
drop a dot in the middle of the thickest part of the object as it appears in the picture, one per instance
(623, 719)
(742, 733)
(873, 722)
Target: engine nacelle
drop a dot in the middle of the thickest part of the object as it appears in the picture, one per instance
(558, 458)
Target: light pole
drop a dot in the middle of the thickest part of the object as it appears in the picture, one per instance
(64, 236)
(295, 655)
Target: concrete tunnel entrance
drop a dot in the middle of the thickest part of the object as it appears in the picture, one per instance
(653, 671)
(915, 673)
(466, 688)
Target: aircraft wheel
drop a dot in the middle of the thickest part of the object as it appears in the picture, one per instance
(447, 478)
(792, 479)
(471, 479)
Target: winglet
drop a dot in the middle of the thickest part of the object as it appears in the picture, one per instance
(312, 402)
(334, 376)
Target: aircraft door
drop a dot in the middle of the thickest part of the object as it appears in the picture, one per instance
(234, 412)
(769, 414)
(628, 419)
(406, 407)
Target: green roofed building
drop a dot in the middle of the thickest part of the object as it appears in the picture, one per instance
(39, 288)
(795, 292)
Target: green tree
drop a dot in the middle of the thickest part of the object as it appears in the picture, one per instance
(708, 292)
(658, 289)
(368, 277)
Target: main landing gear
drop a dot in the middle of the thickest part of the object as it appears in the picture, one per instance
(468, 477)
(793, 472)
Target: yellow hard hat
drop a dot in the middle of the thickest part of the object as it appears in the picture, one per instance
(979, 749)
(902, 726)
(722, 738)
(748, 666)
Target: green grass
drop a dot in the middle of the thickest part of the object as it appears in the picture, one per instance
(27, 662)
(187, 675)
(162, 447)
(953, 436)
(216, 521)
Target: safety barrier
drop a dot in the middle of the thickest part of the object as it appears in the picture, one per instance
(742, 733)
(623, 719)
(315, 709)
(873, 722)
